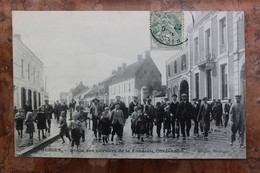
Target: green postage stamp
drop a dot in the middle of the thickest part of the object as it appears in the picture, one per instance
(166, 30)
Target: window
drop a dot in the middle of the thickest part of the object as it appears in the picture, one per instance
(196, 50)
(38, 77)
(169, 70)
(209, 91)
(183, 62)
(29, 73)
(222, 35)
(34, 74)
(22, 68)
(197, 84)
(207, 45)
(224, 81)
(175, 66)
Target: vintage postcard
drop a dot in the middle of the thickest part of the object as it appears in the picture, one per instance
(129, 84)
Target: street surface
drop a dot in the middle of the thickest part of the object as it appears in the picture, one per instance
(217, 146)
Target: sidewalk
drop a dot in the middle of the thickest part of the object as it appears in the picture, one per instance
(26, 144)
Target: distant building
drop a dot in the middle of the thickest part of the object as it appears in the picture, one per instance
(212, 64)
(28, 75)
(137, 79)
(74, 93)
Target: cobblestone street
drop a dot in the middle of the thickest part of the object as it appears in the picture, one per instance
(217, 146)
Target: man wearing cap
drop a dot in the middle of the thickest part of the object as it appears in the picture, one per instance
(117, 121)
(96, 111)
(173, 109)
(204, 116)
(227, 110)
(238, 120)
(48, 110)
(27, 108)
(196, 108)
(122, 106)
(184, 115)
(132, 105)
(150, 116)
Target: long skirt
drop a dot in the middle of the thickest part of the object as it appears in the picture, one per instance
(19, 124)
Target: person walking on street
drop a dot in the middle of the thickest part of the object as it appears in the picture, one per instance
(132, 105)
(29, 122)
(159, 118)
(41, 122)
(96, 111)
(227, 110)
(105, 125)
(167, 121)
(65, 108)
(204, 116)
(57, 110)
(238, 120)
(150, 116)
(19, 119)
(184, 115)
(48, 110)
(173, 109)
(118, 122)
(134, 117)
(64, 130)
(75, 132)
(196, 108)
(141, 127)
(27, 108)
(122, 106)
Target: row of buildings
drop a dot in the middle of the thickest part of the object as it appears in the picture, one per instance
(141, 79)
(28, 82)
(212, 62)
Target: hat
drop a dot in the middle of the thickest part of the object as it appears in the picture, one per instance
(205, 98)
(148, 99)
(184, 95)
(195, 99)
(118, 96)
(46, 100)
(238, 96)
(174, 95)
(95, 99)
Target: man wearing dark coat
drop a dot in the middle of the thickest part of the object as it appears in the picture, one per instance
(64, 107)
(173, 109)
(96, 111)
(196, 108)
(159, 117)
(57, 110)
(132, 105)
(184, 115)
(150, 116)
(27, 108)
(204, 116)
(48, 110)
(226, 111)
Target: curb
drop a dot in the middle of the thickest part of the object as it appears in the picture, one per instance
(31, 149)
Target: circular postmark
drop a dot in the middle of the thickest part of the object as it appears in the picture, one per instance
(166, 29)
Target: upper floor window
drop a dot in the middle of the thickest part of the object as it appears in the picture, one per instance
(207, 45)
(196, 50)
(183, 62)
(224, 81)
(29, 72)
(175, 66)
(222, 35)
(169, 70)
(22, 68)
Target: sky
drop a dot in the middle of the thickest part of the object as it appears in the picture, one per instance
(86, 46)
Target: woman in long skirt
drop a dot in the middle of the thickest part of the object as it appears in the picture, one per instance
(30, 124)
(19, 119)
(105, 125)
(41, 122)
(141, 127)
(64, 130)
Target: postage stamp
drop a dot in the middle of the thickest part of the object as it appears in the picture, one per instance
(166, 30)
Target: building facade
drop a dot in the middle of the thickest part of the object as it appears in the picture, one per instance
(137, 79)
(215, 58)
(28, 75)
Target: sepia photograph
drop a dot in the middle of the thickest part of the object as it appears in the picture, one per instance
(129, 84)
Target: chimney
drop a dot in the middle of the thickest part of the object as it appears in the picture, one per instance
(139, 58)
(123, 66)
(147, 54)
(17, 36)
(119, 69)
(113, 71)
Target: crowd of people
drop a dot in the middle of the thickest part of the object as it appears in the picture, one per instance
(170, 118)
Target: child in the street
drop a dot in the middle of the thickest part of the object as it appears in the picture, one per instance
(19, 119)
(141, 125)
(134, 117)
(167, 121)
(64, 130)
(29, 122)
(41, 122)
(75, 132)
(105, 125)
